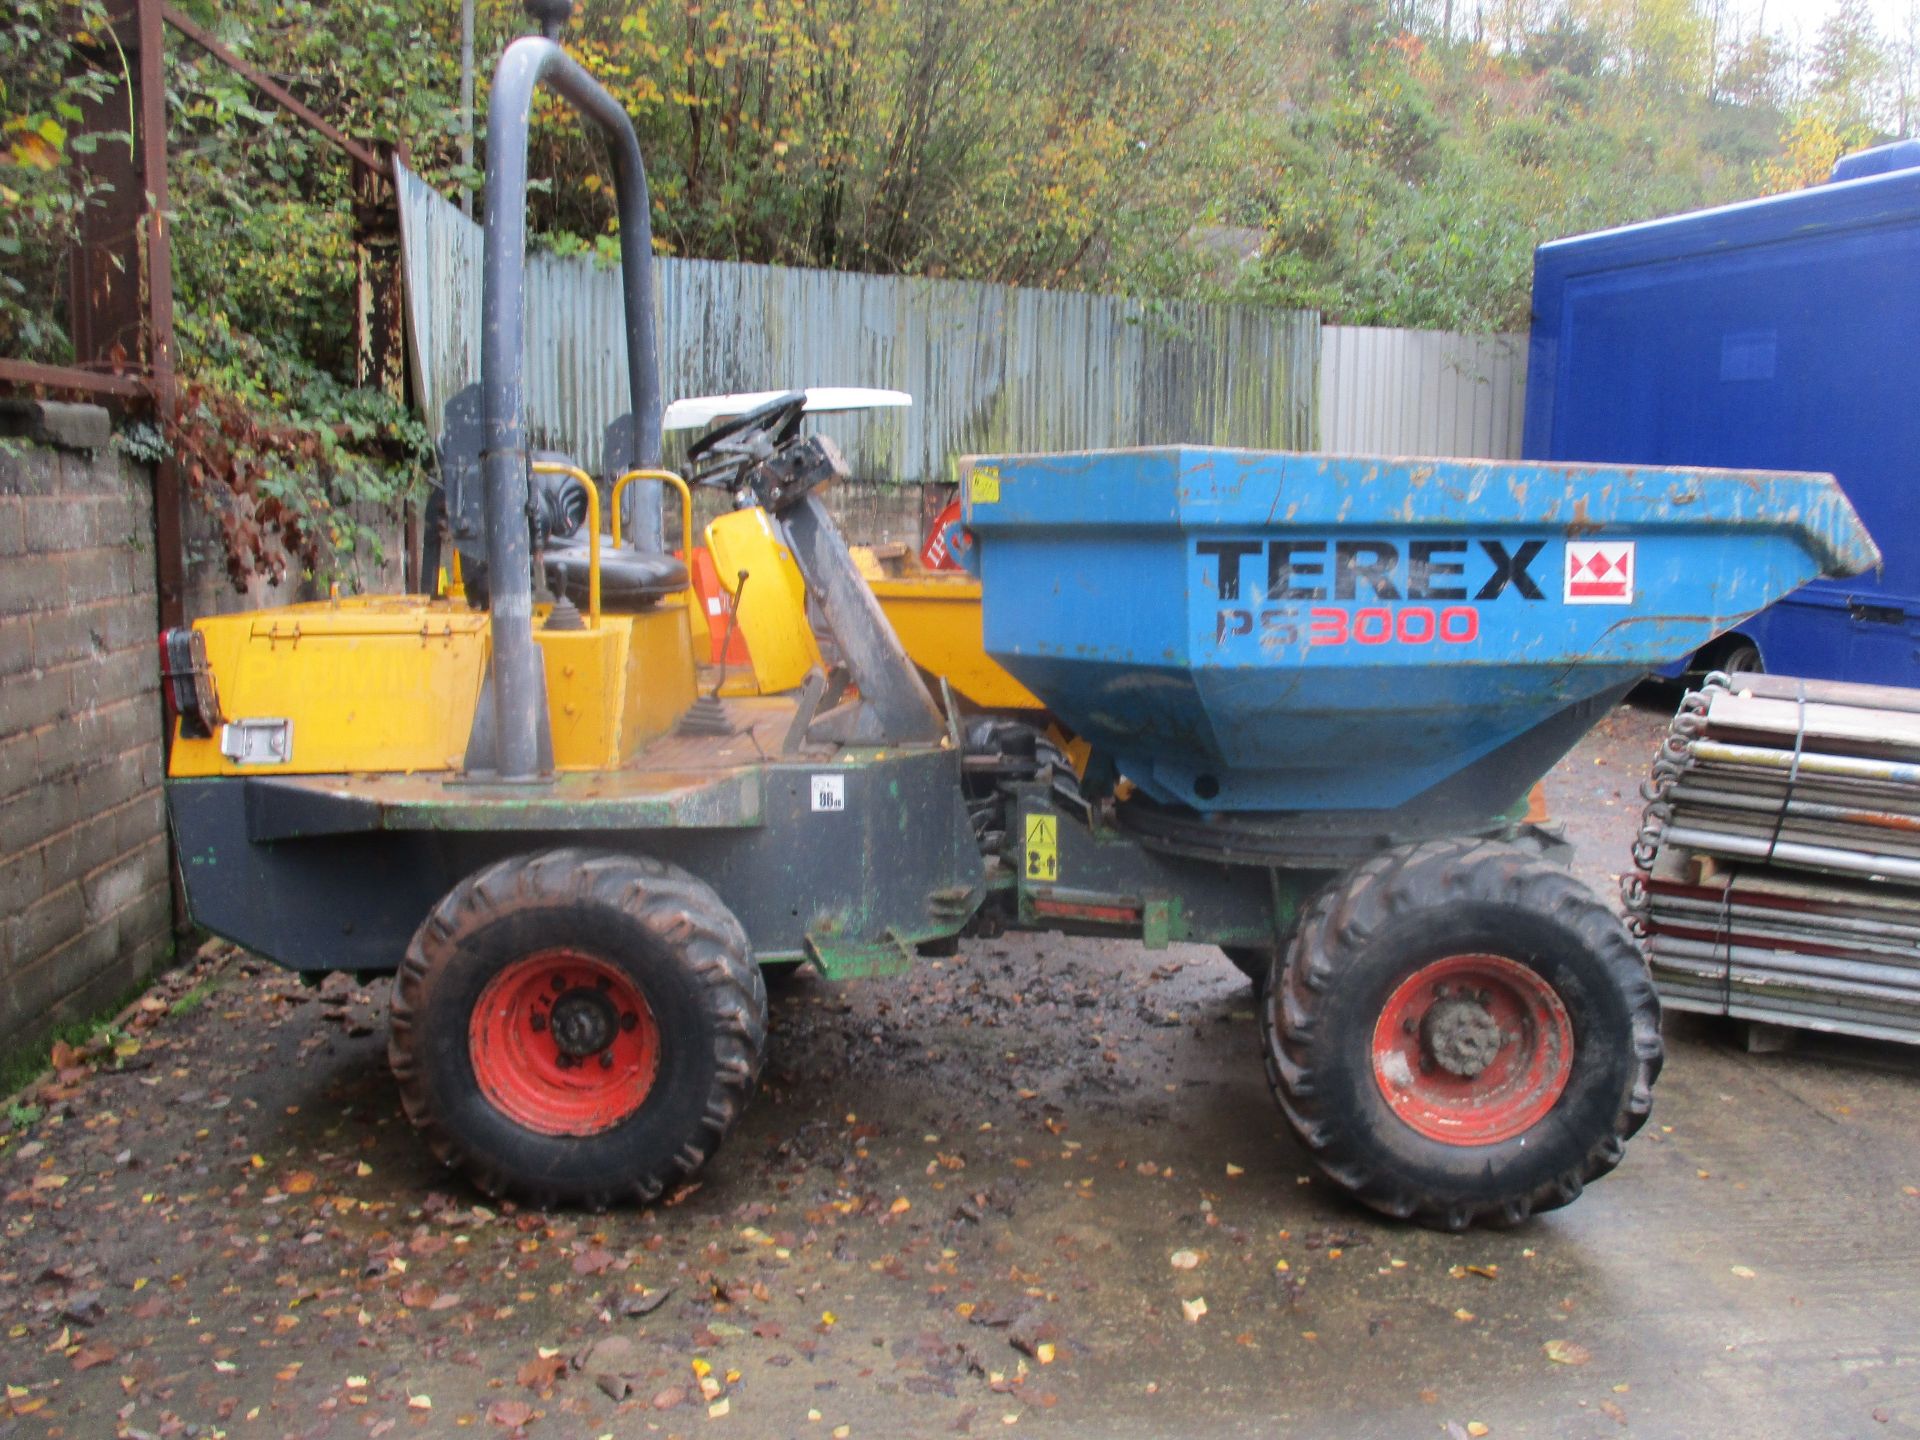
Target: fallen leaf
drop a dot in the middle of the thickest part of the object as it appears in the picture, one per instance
(718, 1408)
(96, 1353)
(1194, 1309)
(1183, 1259)
(419, 1402)
(668, 1398)
(510, 1414)
(1044, 1353)
(1463, 1315)
(900, 1206)
(646, 1304)
(1743, 1272)
(1567, 1352)
(1235, 1170)
(1613, 1412)
(299, 1183)
(1476, 1429)
(592, 1262)
(540, 1372)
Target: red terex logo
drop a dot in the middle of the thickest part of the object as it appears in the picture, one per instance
(1599, 573)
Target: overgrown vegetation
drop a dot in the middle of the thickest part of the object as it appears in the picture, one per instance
(1388, 163)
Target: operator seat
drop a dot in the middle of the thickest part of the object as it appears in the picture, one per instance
(630, 579)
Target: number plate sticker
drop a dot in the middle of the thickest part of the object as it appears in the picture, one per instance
(829, 792)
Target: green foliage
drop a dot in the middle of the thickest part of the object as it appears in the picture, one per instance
(51, 74)
(296, 466)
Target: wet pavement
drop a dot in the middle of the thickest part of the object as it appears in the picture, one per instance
(1039, 1186)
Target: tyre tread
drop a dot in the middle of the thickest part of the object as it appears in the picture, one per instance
(1340, 920)
(680, 910)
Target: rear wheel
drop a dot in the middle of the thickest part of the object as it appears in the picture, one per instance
(577, 1027)
(1463, 1034)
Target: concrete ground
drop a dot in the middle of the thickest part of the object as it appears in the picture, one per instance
(983, 1198)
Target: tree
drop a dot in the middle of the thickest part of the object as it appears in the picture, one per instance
(1851, 65)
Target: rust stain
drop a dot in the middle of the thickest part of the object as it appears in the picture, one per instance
(1582, 524)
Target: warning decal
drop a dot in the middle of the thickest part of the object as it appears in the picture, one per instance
(1599, 573)
(1043, 847)
(985, 489)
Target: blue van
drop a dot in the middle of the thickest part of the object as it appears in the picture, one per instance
(1779, 334)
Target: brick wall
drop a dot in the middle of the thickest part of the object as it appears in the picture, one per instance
(85, 907)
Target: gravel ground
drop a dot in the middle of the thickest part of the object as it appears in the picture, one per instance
(989, 1195)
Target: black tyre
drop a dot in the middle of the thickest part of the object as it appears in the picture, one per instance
(576, 1027)
(1741, 657)
(1462, 1034)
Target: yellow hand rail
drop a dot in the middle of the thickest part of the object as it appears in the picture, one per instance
(686, 521)
(548, 467)
(686, 506)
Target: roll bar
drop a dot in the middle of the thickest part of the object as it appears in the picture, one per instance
(518, 686)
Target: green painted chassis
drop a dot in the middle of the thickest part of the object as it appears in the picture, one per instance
(325, 873)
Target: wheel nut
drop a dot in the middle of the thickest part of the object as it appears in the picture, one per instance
(606, 1059)
(604, 983)
(559, 983)
(629, 1020)
(1409, 1026)
(1439, 992)
(538, 1022)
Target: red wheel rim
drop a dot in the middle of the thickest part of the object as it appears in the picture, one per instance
(1472, 1049)
(564, 1044)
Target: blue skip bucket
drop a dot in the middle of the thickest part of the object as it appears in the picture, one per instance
(1248, 631)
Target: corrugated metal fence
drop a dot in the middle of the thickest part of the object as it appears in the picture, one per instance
(990, 367)
(1421, 392)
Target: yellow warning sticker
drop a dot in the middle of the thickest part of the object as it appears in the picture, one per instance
(1043, 847)
(986, 484)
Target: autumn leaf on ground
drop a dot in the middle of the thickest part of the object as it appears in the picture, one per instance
(1567, 1352)
(511, 1414)
(97, 1353)
(541, 1371)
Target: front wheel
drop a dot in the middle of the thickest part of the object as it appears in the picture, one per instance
(576, 1027)
(1462, 1033)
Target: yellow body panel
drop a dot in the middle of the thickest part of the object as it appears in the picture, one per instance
(774, 615)
(368, 684)
(390, 684)
(660, 672)
(936, 614)
(611, 690)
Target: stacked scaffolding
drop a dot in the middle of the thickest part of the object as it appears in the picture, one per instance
(1779, 856)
